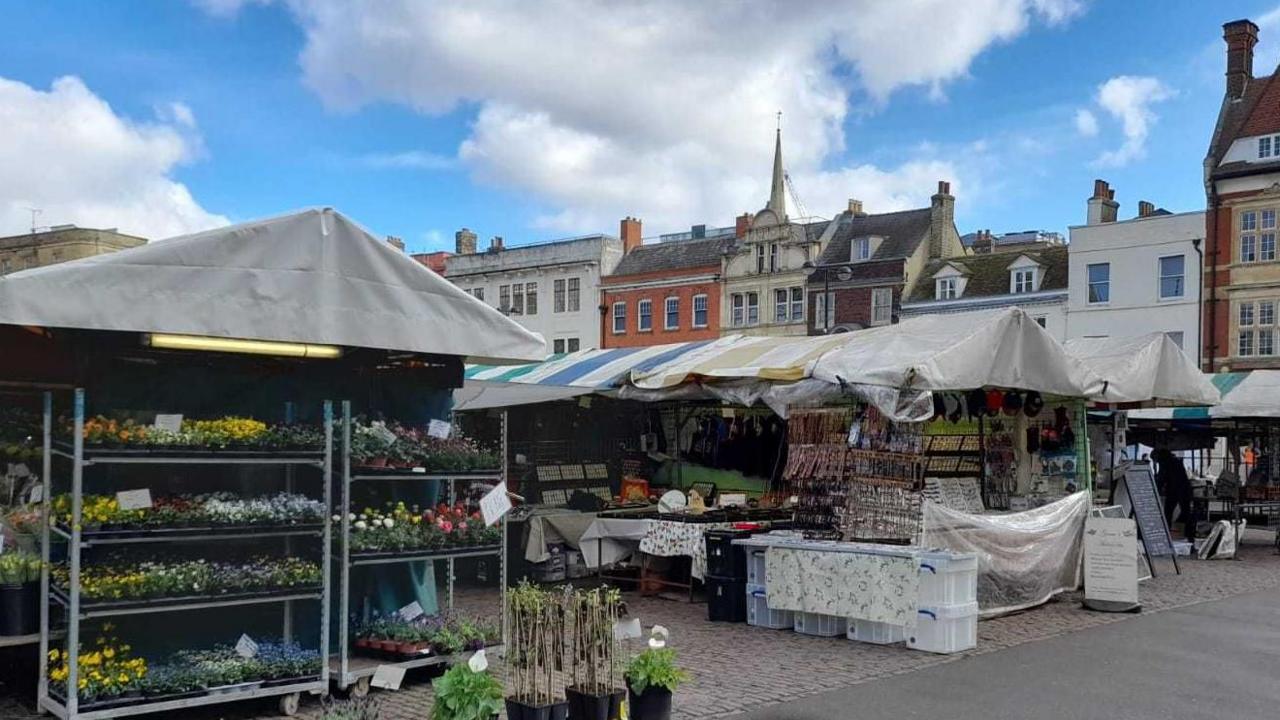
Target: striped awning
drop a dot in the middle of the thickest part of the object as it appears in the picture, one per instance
(600, 369)
(1228, 384)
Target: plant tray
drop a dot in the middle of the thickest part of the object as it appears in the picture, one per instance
(148, 699)
(380, 554)
(89, 605)
(186, 451)
(191, 530)
(409, 472)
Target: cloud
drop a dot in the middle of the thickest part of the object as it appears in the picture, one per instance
(664, 109)
(66, 152)
(409, 159)
(1086, 123)
(1128, 100)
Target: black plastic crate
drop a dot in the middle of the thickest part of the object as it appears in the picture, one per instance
(726, 600)
(724, 559)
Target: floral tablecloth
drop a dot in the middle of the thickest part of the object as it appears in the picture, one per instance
(879, 588)
(665, 538)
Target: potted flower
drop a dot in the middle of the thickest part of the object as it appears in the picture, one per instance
(370, 445)
(19, 596)
(651, 678)
(465, 693)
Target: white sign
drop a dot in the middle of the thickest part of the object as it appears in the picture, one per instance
(627, 629)
(584, 401)
(36, 494)
(410, 612)
(1, 543)
(478, 662)
(733, 500)
(246, 647)
(385, 435)
(170, 423)
(134, 499)
(439, 429)
(1111, 560)
(495, 504)
(387, 677)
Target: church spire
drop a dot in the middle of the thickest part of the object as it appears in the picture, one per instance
(778, 192)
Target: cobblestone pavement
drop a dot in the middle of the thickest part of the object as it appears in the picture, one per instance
(737, 668)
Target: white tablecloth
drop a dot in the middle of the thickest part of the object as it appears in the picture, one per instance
(565, 527)
(620, 538)
(610, 540)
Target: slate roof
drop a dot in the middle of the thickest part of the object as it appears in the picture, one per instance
(1255, 113)
(988, 274)
(903, 231)
(677, 255)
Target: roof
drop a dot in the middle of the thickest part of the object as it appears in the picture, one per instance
(678, 255)
(596, 368)
(988, 274)
(903, 231)
(312, 276)
(1257, 112)
(1146, 368)
(584, 249)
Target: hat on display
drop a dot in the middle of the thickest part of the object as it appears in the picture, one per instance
(953, 406)
(976, 402)
(1012, 403)
(995, 400)
(1033, 404)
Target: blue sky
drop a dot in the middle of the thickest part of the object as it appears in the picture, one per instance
(417, 119)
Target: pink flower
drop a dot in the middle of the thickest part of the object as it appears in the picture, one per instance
(446, 526)
(462, 526)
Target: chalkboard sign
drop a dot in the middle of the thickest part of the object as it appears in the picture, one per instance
(1140, 485)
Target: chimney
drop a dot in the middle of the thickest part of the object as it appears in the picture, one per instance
(855, 208)
(983, 243)
(395, 242)
(629, 231)
(1146, 209)
(495, 245)
(743, 224)
(942, 219)
(1240, 36)
(1102, 206)
(464, 242)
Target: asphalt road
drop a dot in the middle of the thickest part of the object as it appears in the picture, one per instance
(1213, 660)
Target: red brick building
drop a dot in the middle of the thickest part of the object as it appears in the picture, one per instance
(434, 261)
(662, 292)
(1241, 293)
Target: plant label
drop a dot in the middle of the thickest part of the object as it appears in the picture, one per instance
(439, 429)
(383, 433)
(478, 662)
(387, 677)
(495, 504)
(170, 423)
(420, 470)
(584, 401)
(411, 612)
(37, 494)
(627, 629)
(134, 499)
(246, 647)
(1, 543)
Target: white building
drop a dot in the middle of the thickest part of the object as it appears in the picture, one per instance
(1135, 276)
(552, 288)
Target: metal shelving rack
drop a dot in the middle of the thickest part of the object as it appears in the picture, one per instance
(355, 672)
(78, 541)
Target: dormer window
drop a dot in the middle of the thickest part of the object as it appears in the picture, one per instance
(861, 249)
(1023, 280)
(1269, 147)
(946, 289)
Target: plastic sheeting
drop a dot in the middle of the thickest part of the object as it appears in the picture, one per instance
(905, 406)
(1146, 368)
(1024, 558)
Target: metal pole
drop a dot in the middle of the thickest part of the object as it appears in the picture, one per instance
(326, 594)
(46, 483)
(344, 572)
(449, 562)
(502, 559)
(73, 610)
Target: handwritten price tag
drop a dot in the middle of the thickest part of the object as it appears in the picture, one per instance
(495, 504)
(410, 612)
(171, 423)
(134, 499)
(439, 429)
(246, 647)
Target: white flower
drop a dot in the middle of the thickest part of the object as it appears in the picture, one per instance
(352, 517)
(361, 525)
(658, 637)
(388, 523)
(337, 518)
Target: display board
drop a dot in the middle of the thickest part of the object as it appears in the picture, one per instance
(1148, 511)
(1110, 564)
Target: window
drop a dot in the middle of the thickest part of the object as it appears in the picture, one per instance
(557, 347)
(478, 293)
(773, 257)
(861, 249)
(644, 315)
(1246, 314)
(673, 313)
(1041, 321)
(797, 304)
(5, 267)
(1176, 336)
(504, 298)
(881, 306)
(1248, 248)
(1172, 270)
(753, 308)
(824, 306)
(1244, 346)
(517, 299)
(1266, 327)
(760, 259)
(1249, 221)
(780, 305)
(946, 289)
(1266, 342)
(1099, 282)
(1264, 147)
(619, 318)
(699, 311)
(572, 345)
(738, 303)
(573, 295)
(1024, 280)
(557, 302)
(531, 298)
(1266, 313)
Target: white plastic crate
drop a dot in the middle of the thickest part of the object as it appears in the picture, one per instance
(819, 625)
(755, 566)
(948, 580)
(877, 633)
(761, 615)
(945, 629)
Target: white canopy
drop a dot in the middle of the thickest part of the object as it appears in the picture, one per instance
(310, 277)
(1257, 396)
(1144, 368)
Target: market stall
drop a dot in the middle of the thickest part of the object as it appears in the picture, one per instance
(204, 437)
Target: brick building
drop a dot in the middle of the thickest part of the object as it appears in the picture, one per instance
(664, 292)
(434, 261)
(871, 262)
(60, 244)
(1241, 290)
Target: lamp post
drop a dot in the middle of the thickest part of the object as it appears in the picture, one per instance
(843, 274)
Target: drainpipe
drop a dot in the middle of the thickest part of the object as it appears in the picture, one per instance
(1199, 301)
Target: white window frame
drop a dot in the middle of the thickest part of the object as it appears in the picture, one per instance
(1245, 316)
(619, 315)
(753, 308)
(860, 250)
(558, 296)
(478, 293)
(738, 310)
(881, 306)
(1265, 322)
(504, 298)
(1090, 283)
(574, 297)
(1264, 147)
(945, 289)
(797, 304)
(1250, 241)
(1161, 277)
(1022, 277)
(644, 315)
(699, 299)
(781, 303)
(1244, 343)
(671, 313)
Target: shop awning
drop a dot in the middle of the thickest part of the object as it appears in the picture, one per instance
(1146, 368)
(309, 277)
(598, 369)
(484, 395)
(741, 357)
(1253, 394)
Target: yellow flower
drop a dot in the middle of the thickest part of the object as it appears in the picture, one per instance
(109, 653)
(122, 678)
(84, 683)
(54, 655)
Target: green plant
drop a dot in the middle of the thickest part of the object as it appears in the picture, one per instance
(365, 708)
(655, 667)
(19, 568)
(463, 694)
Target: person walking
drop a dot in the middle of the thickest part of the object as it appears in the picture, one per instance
(1171, 478)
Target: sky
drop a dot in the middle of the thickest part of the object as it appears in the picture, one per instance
(553, 119)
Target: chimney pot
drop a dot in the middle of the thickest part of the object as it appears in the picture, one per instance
(629, 232)
(855, 208)
(944, 187)
(495, 244)
(1102, 206)
(1241, 36)
(1146, 209)
(1100, 188)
